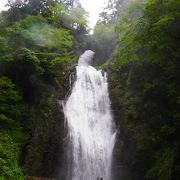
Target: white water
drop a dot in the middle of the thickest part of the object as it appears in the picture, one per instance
(90, 124)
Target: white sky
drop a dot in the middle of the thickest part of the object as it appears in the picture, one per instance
(2, 3)
(94, 7)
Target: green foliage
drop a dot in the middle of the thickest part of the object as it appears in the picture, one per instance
(9, 152)
(76, 19)
(103, 42)
(164, 164)
(11, 136)
(103, 33)
(36, 48)
(144, 84)
(104, 37)
(151, 33)
(56, 13)
(9, 100)
(34, 31)
(79, 16)
(113, 11)
(20, 9)
(36, 51)
(127, 30)
(4, 50)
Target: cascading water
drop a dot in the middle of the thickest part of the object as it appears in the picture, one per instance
(90, 124)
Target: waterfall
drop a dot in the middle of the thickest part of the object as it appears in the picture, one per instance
(89, 123)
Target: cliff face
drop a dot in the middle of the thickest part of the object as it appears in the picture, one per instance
(143, 109)
(45, 153)
(46, 146)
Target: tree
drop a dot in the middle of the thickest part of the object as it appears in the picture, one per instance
(113, 11)
(145, 88)
(11, 136)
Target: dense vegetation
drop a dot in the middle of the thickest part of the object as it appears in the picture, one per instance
(38, 42)
(138, 43)
(145, 90)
